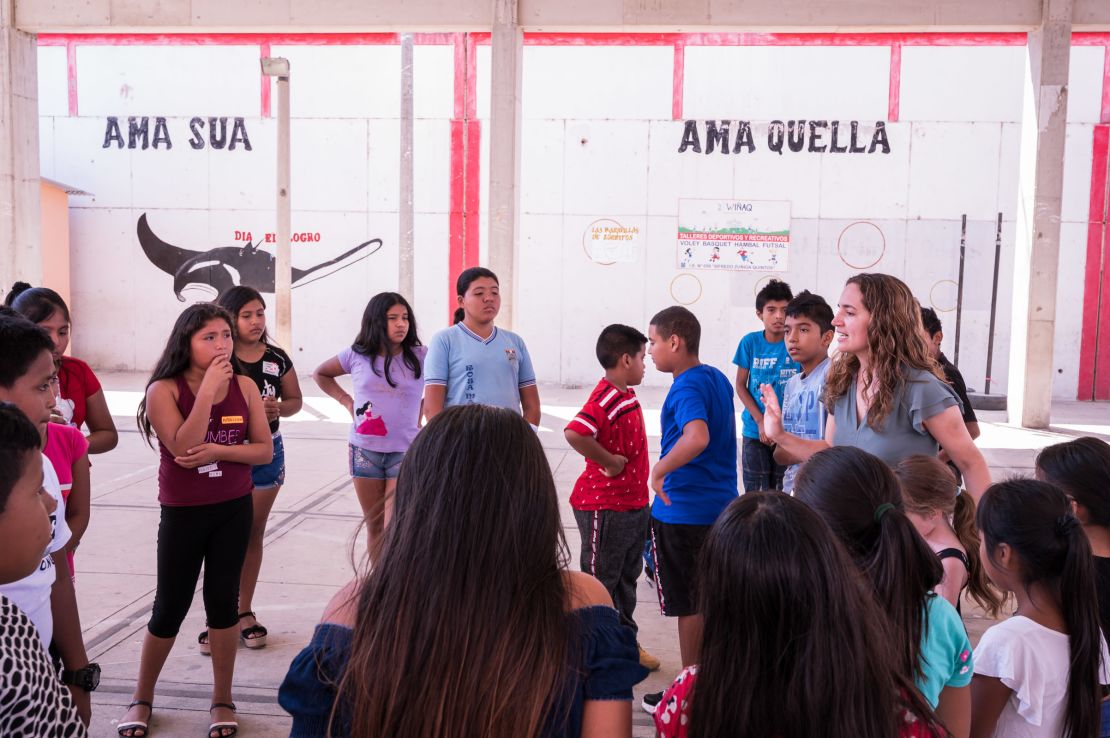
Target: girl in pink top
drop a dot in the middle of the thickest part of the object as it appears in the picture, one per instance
(211, 428)
(68, 451)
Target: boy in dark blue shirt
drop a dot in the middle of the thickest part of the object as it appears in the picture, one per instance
(762, 358)
(695, 478)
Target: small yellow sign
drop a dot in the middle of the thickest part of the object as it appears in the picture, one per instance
(231, 419)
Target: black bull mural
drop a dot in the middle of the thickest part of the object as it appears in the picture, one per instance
(225, 267)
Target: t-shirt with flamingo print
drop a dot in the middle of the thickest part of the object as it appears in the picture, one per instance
(386, 417)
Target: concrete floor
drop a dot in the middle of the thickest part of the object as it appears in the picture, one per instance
(309, 550)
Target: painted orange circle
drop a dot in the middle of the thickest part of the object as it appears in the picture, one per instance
(951, 299)
(861, 245)
(682, 287)
(586, 240)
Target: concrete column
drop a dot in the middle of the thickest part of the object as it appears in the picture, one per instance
(20, 224)
(1037, 245)
(406, 280)
(507, 47)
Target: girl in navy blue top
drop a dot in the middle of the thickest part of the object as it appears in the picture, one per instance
(470, 623)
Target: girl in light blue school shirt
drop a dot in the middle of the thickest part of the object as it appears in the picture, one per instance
(474, 361)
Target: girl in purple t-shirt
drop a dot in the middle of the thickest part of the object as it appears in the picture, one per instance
(386, 364)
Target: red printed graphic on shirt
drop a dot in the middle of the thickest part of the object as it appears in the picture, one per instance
(371, 425)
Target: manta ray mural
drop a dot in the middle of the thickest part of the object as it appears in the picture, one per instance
(228, 266)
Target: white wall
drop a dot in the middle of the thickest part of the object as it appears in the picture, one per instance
(598, 142)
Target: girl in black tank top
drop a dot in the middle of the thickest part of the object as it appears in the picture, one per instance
(271, 369)
(945, 518)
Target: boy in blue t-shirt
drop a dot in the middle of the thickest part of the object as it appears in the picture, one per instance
(809, 333)
(762, 358)
(695, 477)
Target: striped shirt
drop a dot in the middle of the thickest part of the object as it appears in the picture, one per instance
(615, 420)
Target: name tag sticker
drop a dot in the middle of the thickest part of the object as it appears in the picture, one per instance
(231, 419)
(215, 474)
(208, 468)
(270, 367)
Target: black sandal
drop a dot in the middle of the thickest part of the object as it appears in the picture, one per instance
(255, 635)
(218, 728)
(137, 725)
(202, 643)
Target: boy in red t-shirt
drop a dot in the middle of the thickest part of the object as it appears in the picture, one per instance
(610, 499)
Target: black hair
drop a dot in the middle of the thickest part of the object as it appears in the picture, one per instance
(373, 335)
(678, 321)
(21, 342)
(1082, 469)
(775, 289)
(18, 438)
(1035, 520)
(462, 284)
(175, 356)
(35, 303)
(930, 320)
(785, 612)
(235, 299)
(860, 498)
(615, 341)
(808, 305)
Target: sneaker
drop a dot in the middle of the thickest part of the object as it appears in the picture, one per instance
(650, 701)
(647, 661)
(649, 574)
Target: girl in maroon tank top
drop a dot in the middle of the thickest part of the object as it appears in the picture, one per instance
(211, 428)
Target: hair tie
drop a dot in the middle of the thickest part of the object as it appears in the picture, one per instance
(882, 510)
(1065, 524)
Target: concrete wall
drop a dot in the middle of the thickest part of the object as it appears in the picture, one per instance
(600, 143)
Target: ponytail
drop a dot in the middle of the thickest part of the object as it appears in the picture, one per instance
(978, 583)
(1034, 518)
(1082, 713)
(458, 317)
(902, 570)
(929, 487)
(860, 498)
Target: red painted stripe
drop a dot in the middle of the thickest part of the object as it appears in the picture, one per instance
(471, 76)
(1090, 347)
(894, 93)
(264, 52)
(71, 77)
(1090, 38)
(473, 191)
(565, 39)
(775, 39)
(1102, 378)
(1104, 116)
(458, 170)
(678, 83)
(456, 219)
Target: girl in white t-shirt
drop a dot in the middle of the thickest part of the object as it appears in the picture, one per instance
(1038, 674)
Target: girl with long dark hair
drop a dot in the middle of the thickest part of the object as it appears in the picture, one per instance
(787, 617)
(211, 429)
(469, 624)
(80, 398)
(1038, 673)
(271, 369)
(861, 500)
(474, 361)
(386, 364)
(945, 518)
(884, 390)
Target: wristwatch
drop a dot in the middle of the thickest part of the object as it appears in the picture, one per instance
(87, 678)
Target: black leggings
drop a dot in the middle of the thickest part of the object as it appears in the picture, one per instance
(215, 535)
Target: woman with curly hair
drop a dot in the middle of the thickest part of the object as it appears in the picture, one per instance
(884, 391)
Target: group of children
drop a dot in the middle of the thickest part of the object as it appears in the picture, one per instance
(853, 581)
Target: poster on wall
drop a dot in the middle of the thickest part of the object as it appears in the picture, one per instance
(737, 235)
